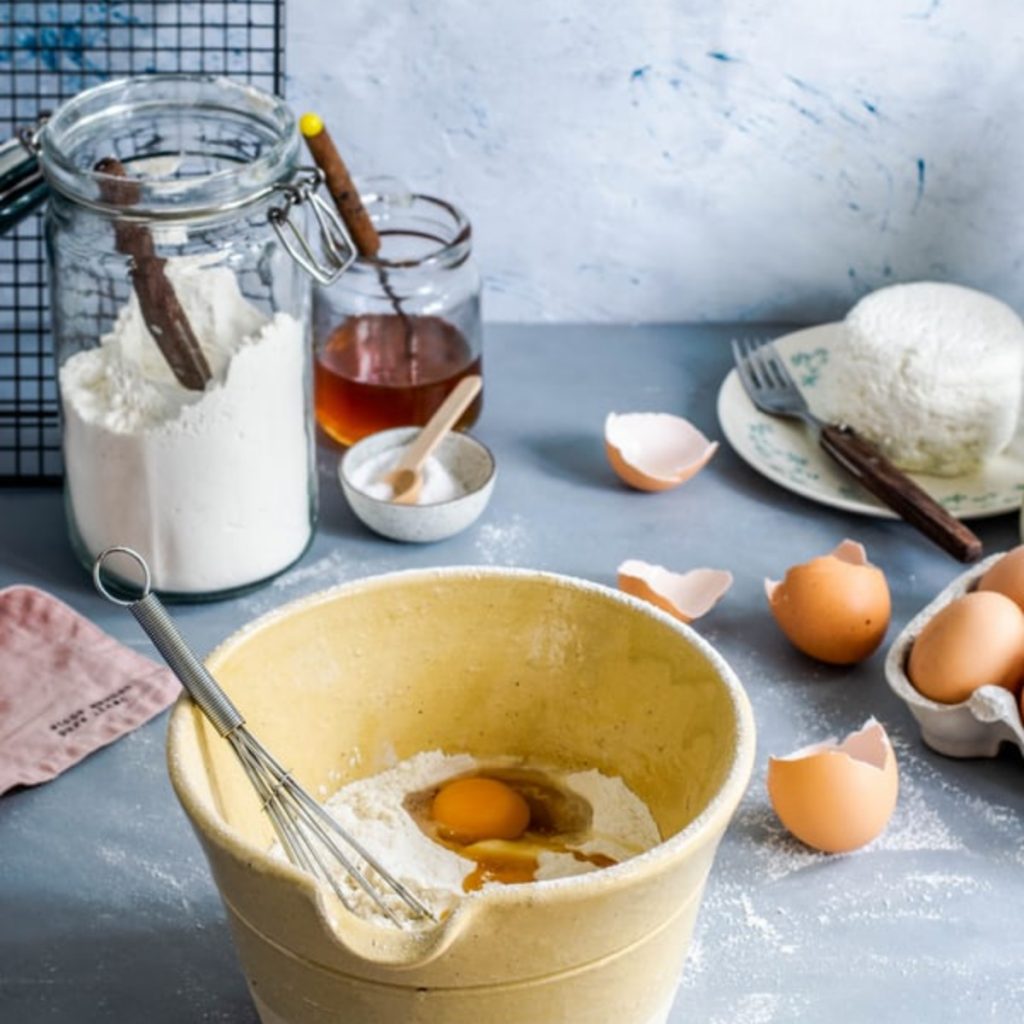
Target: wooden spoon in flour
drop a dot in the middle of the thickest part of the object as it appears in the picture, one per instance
(164, 315)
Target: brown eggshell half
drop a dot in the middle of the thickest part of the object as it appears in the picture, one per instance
(837, 797)
(686, 596)
(655, 451)
(835, 608)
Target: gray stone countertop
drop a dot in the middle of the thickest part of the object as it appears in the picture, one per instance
(106, 909)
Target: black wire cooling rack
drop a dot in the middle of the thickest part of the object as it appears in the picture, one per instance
(48, 52)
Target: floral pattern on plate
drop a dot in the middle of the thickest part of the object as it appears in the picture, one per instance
(787, 452)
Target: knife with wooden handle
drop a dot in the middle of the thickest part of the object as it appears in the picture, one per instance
(770, 386)
(875, 473)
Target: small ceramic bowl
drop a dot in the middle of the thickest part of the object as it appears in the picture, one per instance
(464, 456)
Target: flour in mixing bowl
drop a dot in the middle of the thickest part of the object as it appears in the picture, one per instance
(375, 811)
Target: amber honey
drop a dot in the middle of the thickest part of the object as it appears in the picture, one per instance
(379, 371)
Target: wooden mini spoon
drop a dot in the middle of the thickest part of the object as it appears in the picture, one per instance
(406, 476)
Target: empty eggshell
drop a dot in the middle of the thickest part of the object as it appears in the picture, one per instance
(835, 608)
(687, 595)
(655, 451)
(834, 796)
(976, 640)
(1007, 576)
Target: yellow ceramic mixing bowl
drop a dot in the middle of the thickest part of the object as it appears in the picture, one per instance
(490, 662)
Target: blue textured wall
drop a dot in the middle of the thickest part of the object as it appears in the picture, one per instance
(690, 159)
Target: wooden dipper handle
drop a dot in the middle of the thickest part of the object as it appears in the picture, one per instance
(164, 315)
(876, 473)
(340, 185)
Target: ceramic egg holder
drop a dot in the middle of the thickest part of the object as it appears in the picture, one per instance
(976, 727)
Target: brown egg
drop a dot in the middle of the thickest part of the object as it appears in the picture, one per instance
(1007, 576)
(976, 640)
(837, 796)
(835, 608)
(655, 451)
(686, 596)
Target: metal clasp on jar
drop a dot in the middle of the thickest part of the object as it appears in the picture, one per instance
(338, 249)
(22, 187)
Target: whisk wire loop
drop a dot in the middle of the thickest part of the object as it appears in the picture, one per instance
(310, 837)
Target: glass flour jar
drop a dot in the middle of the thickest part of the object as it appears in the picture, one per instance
(181, 327)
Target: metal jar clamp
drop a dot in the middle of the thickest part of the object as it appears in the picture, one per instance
(23, 187)
(338, 247)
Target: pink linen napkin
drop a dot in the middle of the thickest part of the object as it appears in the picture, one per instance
(66, 687)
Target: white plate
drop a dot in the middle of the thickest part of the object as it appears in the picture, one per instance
(787, 452)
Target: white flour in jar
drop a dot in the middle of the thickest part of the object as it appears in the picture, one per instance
(212, 487)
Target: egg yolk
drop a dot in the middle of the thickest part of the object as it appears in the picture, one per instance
(472, 810)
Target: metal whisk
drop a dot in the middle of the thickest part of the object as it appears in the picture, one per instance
(308, 834)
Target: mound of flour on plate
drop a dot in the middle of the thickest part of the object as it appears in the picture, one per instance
(932, 373)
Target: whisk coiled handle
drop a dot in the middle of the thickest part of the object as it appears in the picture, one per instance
(153, 617)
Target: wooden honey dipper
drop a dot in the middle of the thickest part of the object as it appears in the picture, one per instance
(350, 205)
(163, 313)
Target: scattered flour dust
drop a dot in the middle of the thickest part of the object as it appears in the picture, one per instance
(754, 1008)
(502, 543)
(372, 811)
(505, 543)
(324, 572)
(779, 920)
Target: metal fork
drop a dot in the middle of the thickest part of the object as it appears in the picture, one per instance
(769, 385)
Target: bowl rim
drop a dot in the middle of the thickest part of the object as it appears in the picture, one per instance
(702, 829)
(458, 436)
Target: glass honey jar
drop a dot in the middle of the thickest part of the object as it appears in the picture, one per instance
(399, 329)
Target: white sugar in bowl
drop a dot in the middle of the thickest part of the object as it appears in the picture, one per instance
(469, 462)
